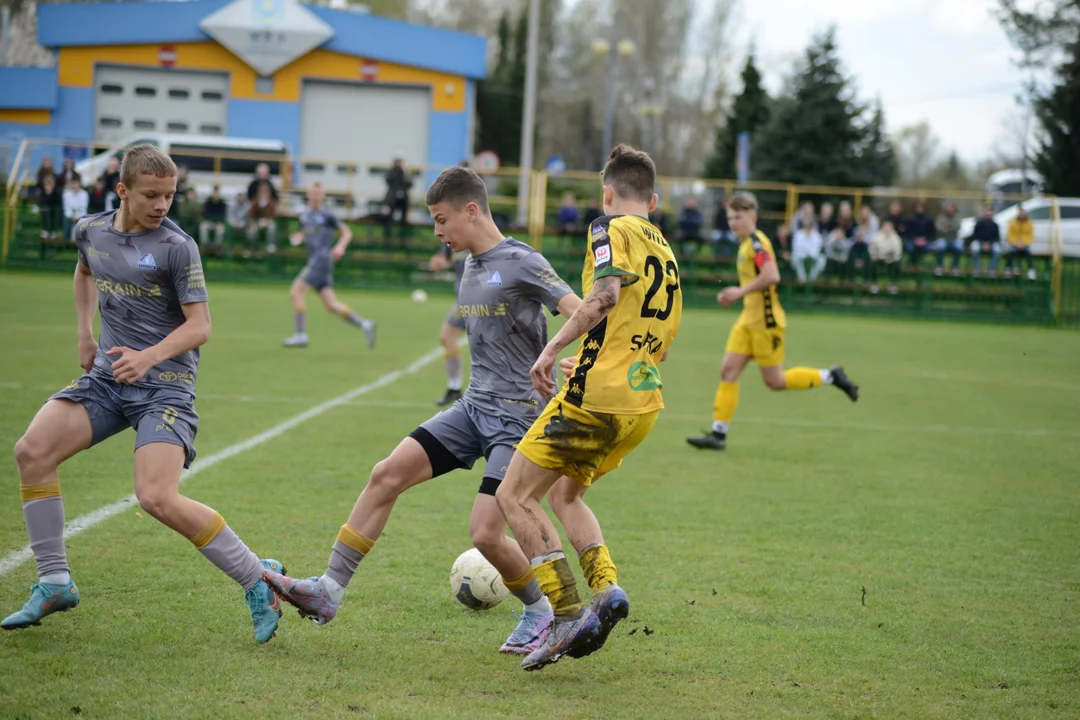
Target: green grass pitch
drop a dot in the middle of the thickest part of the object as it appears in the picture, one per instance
(915, 555)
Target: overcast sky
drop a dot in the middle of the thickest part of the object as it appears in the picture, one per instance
(961, 78)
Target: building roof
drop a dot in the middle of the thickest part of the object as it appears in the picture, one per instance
(359, 34)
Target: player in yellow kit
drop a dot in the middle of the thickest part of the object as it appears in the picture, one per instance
(758, 334)
(629, 319)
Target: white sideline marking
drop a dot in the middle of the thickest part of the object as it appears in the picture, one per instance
(84, 522)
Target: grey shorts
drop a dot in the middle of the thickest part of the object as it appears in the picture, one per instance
(158, 414)
(318, 274)
(454, 320)
(474, 428)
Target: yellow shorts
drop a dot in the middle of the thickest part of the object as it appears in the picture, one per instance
(766, 347)
(583, 445)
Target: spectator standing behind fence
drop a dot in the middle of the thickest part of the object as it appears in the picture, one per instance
(261, 216)
(807, 247)
(691, 224)
(863, 235)
(45, 170)
(782, 246)
(111, 177)
(261, 180)
(214, 215)
(723, 240)
(69, 173)
(920, 233)
(838, 243)
(947, 225)
(191, 210)
(1020, 236)
(76, 202)
(897, 218)
(986, 240)
(886, 251)
(97, 198)
(238, 212)
(398, 184)
(50, 203)
(176, 209)
(568, 217)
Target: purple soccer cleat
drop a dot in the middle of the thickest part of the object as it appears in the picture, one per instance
(308, 596)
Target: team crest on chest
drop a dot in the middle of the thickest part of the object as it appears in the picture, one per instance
(146, 262)
(495, 278)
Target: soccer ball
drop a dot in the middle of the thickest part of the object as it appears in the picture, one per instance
(419, 296)
(475, 582)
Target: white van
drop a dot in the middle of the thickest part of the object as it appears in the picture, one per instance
(236, 167)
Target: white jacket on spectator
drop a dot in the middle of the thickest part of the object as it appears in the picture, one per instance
(887, 246)
(806, 248)
(75, 203)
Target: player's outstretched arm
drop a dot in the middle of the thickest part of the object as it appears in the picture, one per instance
(195, 332)
(594, 308)
(86, 302)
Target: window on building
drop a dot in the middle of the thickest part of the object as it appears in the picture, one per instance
(179, 93)
(212, 96)
(110, 122)
(112, 89)
(145, 91)
(178, 127)
(211, 129)
(144, 124)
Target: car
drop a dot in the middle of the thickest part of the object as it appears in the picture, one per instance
(1039, 210)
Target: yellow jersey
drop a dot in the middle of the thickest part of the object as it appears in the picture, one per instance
(761, 310)
(617, 362)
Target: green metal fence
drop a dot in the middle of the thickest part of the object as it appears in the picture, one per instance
(376, 261)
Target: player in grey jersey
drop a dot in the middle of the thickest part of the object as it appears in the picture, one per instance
(145, 276)
(504, 289)
(453, 326)
(319, 229)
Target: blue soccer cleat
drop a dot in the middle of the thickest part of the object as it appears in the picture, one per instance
(573, 637)
(264, 604)
(610, 605)
(45, 599)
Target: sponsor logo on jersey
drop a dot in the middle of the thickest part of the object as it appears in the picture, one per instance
(643, 377)
(146, 262)
(650, 342)
(603, 255)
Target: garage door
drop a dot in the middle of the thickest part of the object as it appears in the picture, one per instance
(133, 100)
(362, 126)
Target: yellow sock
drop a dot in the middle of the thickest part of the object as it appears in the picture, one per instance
(39, 492)
(347, 536)
(801, 378)
(727, 400)
(599, 570)
(557, 582)
(520, 582)
(208, 533)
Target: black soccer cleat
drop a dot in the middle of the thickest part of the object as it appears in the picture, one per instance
(451, 397)
(842, 381)
(709, 441)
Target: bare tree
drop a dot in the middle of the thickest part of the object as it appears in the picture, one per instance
(917, 150)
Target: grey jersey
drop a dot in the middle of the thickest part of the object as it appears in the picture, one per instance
(320, 229)
(142, 279)
(502, 298)
(458, 259)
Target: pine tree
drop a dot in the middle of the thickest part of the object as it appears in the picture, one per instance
(749, 113)
(877, 155)
(1057, 157)
(813, 136)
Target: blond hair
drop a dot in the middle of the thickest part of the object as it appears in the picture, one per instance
(145, 160)
(743, 202)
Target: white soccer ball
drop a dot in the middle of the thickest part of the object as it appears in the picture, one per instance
(475, 582)
(419, 296)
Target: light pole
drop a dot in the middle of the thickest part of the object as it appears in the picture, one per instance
(614, 49)
(528, 119)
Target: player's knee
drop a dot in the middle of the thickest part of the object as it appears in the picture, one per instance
(560, 498)
(487, 538)
(32, 456)
(387, 479)
(156, 501)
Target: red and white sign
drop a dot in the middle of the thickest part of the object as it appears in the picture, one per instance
(167, 56)
(369, 71)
